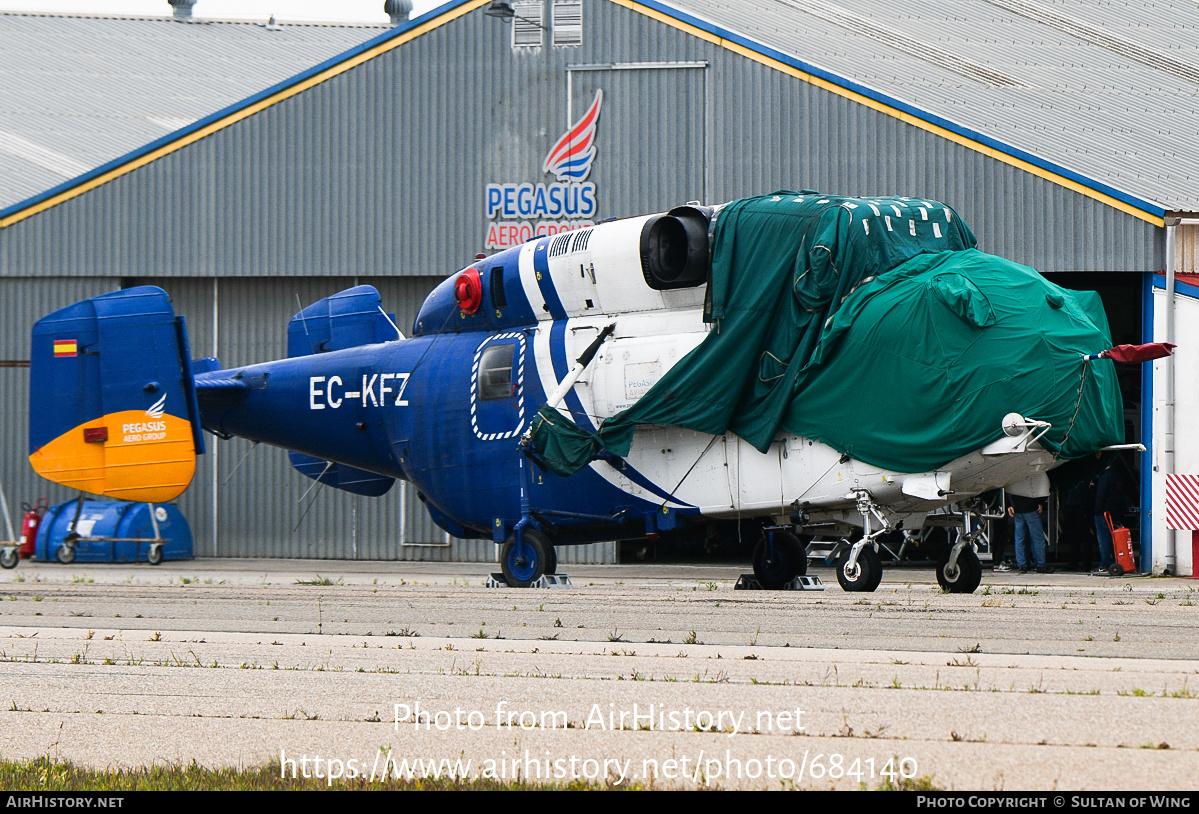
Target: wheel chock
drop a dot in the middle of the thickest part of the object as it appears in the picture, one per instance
(496, 580)
(748, 582)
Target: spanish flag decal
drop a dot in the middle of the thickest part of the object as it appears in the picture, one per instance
(65, 347)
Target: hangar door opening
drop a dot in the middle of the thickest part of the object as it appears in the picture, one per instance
(652, 139)
(1071, 527)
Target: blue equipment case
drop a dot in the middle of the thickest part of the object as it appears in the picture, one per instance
(113, 531)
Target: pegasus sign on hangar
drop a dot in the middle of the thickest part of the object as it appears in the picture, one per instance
(520, 212)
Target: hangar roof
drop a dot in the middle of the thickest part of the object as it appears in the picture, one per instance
(1108, 91)
(1100, 97)
(81, 90)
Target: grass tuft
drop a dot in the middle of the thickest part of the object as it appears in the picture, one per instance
(319, 580)
(46, 774)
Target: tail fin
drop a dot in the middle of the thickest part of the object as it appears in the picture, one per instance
(112, 399)
(341, 476)
(347, 319)
(344, 320)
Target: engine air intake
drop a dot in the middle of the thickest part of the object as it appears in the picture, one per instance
(674, 248)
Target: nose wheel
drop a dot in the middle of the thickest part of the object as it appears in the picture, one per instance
(863, 575)
(525, 563)
(859, 568)
(961, 572)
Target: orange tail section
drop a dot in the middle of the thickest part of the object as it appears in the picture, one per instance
(112, 399)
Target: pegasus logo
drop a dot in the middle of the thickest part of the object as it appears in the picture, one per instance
(570, 159)
(157, 408)
(527, 210)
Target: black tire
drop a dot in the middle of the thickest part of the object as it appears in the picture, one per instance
(878, 572)
(65, 554)
(788, 560)
(523, 570)
(1116, 570)
(9, 556)
(965, 577)
(551, 560)
(867, 575)
(154, 555)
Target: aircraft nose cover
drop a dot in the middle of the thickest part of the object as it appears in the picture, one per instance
(873, 325)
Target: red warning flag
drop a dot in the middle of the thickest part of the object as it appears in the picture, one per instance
(1137, 353)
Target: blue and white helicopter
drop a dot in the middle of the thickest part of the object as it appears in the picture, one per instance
(118, 406)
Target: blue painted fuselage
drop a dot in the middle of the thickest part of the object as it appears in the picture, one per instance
(444, 410)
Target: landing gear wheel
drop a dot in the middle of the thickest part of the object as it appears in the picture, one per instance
(524, 567)
(551, 560)
(65, 554)
(774, 569)
(964, 577)
(154, 555)
(865, 576)
(878, 571)
(9, 557)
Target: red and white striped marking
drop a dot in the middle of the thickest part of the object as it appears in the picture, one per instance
(1182, 502)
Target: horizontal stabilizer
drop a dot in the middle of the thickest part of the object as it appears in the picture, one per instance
(205, 365)
(112, 400)
(348, 319)
(340, 476)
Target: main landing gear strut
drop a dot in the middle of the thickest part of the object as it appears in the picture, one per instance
(962, 571)
(859, 567)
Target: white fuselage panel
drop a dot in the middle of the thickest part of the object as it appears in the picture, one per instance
(723, 476)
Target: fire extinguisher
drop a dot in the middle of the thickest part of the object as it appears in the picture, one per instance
(33, 518)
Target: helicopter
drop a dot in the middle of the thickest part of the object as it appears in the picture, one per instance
(799, 364)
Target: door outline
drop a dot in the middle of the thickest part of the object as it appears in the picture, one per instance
(517, 340)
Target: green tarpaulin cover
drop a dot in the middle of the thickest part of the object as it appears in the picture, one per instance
(874, 326)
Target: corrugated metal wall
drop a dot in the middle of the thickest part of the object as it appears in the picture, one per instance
(379, 175)
(1186, 249)
(21, 302)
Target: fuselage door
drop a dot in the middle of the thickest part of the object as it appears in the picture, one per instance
(497, 387)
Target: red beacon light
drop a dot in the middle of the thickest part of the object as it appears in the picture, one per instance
(468, 291)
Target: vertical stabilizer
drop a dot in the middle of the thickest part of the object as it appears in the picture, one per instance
(112, 400)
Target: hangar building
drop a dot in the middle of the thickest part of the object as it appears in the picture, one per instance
(1062, 132)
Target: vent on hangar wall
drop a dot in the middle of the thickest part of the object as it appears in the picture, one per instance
(527, 24)
(568, 22)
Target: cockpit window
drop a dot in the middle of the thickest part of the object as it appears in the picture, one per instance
(495, 373)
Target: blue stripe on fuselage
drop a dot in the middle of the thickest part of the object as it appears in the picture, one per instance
(644, 482)
(561, 364)
(574, 405)
(541, 269)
